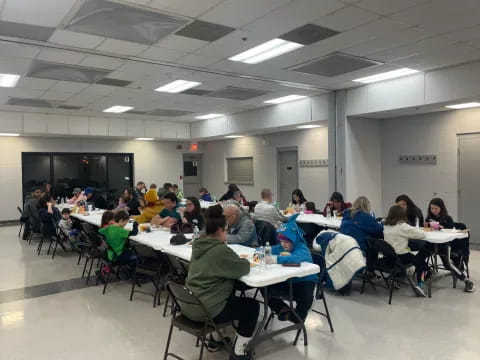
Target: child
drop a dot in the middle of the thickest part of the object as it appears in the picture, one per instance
(205, 195)
(292, 250)
(310, 207)
(397, 232)
(108, 218)
(177, 191)
(122, 204)
(66, 225)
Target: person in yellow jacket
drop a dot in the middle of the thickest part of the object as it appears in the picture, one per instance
(152, 208)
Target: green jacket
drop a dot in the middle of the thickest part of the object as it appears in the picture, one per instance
(213, 269)
(116, 237)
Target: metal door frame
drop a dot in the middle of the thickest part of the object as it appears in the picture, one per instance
(285, 149)
(459, 198)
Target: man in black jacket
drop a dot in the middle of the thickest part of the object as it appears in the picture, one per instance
(30, 213)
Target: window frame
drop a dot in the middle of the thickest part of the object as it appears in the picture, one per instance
(233, 181)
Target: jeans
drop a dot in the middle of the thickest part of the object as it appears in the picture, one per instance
(244, 310)
(302, 295)
(419, 261)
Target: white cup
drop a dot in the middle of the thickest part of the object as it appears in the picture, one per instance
(90, 207)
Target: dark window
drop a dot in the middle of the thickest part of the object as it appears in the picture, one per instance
(36, 171)
(190, 168)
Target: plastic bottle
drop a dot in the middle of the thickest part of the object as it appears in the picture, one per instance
(417, 222)
(328, 212)
(261, 258)
(268, 253)
(196, 233)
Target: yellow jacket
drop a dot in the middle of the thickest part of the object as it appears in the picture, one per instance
(149, 212)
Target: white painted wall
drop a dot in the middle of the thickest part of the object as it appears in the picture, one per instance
(154, 161)
(312, 144)
(434, 133)
(363, 161)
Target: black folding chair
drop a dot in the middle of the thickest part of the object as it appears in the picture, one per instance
(59, 239)
(266, 232)
(386, 262)
(177, 272)
(94, 251)
(311, 231)
(149, 265)
(182, 296)
(22, 220)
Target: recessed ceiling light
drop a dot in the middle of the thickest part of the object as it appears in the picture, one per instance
(284, 99)
(208, 116)
(308, 126)
(118, 109)
(9, 80)
(233, 136)
(178, 86)
(464, 106)
(144, 139)
(9, 134)
(265, 51)
(386, 75)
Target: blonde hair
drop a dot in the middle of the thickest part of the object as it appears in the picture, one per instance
(361, 204)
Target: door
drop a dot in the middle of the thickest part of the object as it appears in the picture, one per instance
(287, 175)
(192, 174)
(468, 179)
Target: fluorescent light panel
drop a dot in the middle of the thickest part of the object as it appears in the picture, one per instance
(464, 106)
(266, 51)
(9, 134)
(308, 126)
(284, 99)
(118, 109)
(178, 86)
(386, 75)
(144, 139)
(208, 116)
(233, 136)
(9, 80)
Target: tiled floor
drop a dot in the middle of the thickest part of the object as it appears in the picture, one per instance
(83, 324)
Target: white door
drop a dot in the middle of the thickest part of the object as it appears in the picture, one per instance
(287, 175)
(468, 183)
(192, 174)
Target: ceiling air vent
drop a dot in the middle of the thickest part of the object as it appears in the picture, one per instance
(114, 82)
(24, 31)
(202, 30)
(168, 113)
(29, 102)
(236, 93)
(53, 71)
(308, 34)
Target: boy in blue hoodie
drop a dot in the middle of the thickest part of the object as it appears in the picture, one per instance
(292, 250)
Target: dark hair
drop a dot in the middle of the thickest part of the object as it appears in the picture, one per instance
(107, 216)
(35, 188)
(121, 215)
(175, 186)
(443, 210)
(140, 183)
(129, 190)
(42, 202)
(396, 215)
(310, 205)
(299, 193)
(251, 206)
(167, 186)
(233, 188)
(171, 196)
(214, 219)
(202, 189)
(196, 204)
(153, 186)
(336, 196)
(411, 207)
(66, 211)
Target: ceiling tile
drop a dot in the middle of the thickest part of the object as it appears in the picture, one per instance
(75, 39)
(197, 60)
(115, 46)
(17, 50)
(181, 43)
(385, 7)
(37, 12)
(161, 54)
(25, 31)
(61, 56)
(56, 95)
(70, 87)
(138, 2)
(25, 93)
(102, 90)
(101, 62)
(35, 84)
(239, 13)
(464, 35)
(184, 7)
(346, 18)
(83, 99)
(15, 65)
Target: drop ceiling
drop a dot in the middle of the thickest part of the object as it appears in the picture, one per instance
(82, 56)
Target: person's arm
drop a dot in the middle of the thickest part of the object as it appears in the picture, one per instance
(420, 217)
(369, 225)
(230, 265)
(134, 230)
(243, 235)
(50, 208)
(412, 232)
(298, 255)
(448, 224)
(278, 216)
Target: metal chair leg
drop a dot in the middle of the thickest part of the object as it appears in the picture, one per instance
(168, 342)
(107, 278)
(202, 348)
(133, 284)
(85, 266)
(327, 312)
(270, 318)
(89, 270)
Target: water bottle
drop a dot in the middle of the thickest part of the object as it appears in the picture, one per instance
(328, 212)
(268, 253)
(372, 213)
(196, 233)
(417, 222)
(214, 198)
(261, 258)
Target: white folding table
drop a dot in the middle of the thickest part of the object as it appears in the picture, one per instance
(318, 219)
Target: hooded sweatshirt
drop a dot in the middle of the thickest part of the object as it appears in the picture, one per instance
(213, 269)
(152, 208)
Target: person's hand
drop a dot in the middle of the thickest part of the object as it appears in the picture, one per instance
(255, 258)
(330, 203)
(156, 220)
(272, 259)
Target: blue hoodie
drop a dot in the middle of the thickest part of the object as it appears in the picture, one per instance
(300, 252)
(206, 197)
(360, 227)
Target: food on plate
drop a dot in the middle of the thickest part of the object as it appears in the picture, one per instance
(289, 210)
(285, 253)
(244, 256)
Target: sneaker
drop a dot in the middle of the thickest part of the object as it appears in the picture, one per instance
(247, 356)
(419, 291)
(469, 286)
(214, 345)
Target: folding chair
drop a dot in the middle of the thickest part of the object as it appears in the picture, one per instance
(178, 272)
(93, 251)
(59, 239)
(387, 263)
(21, 221)
(149, 265)
(182, 296)
(266, 232)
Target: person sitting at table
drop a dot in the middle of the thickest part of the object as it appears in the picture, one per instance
(214, 267)
(291, 250)
(164, 190)
(266, 210)
(414, 214)
(152, 186)
(298, 201)
(336, 204)
(177, 191)
(77, 192)
(152, 207)
(132, 202)
(310, 207)
(95, 199)
(46, 208)
(238, 197)
(230, 194)
(66, 226)
(122, 205)
(108, 218)
(192, 213)
(241, 229)
(204, 194)
(397, 233)
(170, 214)
(140, 190)
(437, 213)
(30, 213)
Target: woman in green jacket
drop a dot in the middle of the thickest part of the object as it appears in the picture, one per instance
(214, 267)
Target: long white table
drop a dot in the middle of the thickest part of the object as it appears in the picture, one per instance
(318, 219)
